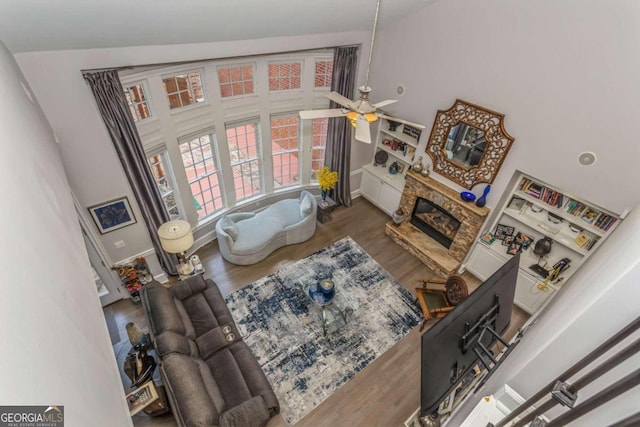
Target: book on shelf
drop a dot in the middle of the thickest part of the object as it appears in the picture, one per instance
(582, 239)
(541, 192)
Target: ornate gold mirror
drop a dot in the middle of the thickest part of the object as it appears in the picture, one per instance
(468, 144)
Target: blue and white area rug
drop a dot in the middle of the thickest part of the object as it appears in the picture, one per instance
(283, 326)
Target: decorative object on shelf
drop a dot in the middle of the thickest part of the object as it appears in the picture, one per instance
(487, 238)
(482, 200)
(381, 158)
(393, 169)
(413, 132)
(503, 231)
(467, 196)
(425, 170)
(397, 217)
(417, 166)
(327, 180)
(197, 264)
(543, 247)
(176, 238)
(516, 203)
(468, 144)
(393, 125)
(554, 218)
(112, 215)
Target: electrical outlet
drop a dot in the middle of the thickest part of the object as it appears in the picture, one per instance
(119, 244)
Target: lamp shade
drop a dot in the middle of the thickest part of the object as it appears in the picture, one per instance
(175, 236)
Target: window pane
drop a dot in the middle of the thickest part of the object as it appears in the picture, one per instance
(319, 142)
(244, 151)
(203, 175)
(323, 73)
(235, 81)
(164, 180)
(184, 89)
(284, 146)
(137, 103)
(284, 76)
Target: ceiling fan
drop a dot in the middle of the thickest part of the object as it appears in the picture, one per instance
(360, 112)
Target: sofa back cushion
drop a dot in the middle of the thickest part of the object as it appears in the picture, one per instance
(306, 204)
(229, 227)
(161, 310)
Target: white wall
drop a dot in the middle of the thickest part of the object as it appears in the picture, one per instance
(92, 165)
(55, 345)
(564, 73)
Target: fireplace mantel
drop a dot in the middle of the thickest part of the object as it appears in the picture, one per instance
(441, 260)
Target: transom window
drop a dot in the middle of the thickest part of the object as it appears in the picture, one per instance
(236, 80)
(318, 145)
(284, 76)
(183, 89)
(245, 152)
(285, 137)
(163, 175)
(137, 102)
(323, 74)
(201, 166)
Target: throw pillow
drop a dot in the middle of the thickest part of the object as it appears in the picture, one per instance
(305, 206)
(230, 227)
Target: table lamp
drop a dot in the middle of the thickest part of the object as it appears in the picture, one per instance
(176, 238)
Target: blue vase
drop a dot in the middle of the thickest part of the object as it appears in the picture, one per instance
(482, 200)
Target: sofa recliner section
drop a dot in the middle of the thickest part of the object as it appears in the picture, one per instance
(211, 376)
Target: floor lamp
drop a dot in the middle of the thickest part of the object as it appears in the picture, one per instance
(176, 238)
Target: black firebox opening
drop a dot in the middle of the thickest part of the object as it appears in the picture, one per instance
(435, 221)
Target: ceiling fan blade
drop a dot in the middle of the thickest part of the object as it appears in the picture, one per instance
(383, 103)
(363, 132)
(415, 125)
(339, 99)
(320, 114)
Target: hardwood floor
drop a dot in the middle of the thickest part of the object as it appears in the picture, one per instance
(387, 391)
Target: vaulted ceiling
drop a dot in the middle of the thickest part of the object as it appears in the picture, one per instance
(36, 25)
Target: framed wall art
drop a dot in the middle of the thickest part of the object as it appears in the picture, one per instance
(112, 215)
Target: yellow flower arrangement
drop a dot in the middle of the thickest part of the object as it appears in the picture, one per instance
(327, 179)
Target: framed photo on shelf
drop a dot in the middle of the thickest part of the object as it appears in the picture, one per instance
(524, 240)
(514, 248)
(516, 203)
(508, 240)
(112, 215)
(503, 231)
(590, 215)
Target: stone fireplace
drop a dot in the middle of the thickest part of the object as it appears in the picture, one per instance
(441, 227)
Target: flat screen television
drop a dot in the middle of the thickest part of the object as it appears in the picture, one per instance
(447, 348)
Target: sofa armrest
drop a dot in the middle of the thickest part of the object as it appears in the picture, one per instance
(251, 413)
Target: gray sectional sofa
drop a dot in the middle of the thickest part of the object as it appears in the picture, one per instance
(211, 376)
(246, 238)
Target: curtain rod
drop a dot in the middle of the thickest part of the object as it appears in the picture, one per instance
(165, 64)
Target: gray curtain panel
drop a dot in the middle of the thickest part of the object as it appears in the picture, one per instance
(109, 95)
(338, 153)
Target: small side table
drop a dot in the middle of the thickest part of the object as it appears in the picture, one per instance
(161, 405)
(325, 207)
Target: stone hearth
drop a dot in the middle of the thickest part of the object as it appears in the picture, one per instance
(437, 257)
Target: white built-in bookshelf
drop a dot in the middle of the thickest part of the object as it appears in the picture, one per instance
(533, 210)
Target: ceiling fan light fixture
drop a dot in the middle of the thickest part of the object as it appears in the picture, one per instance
(352, 116)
